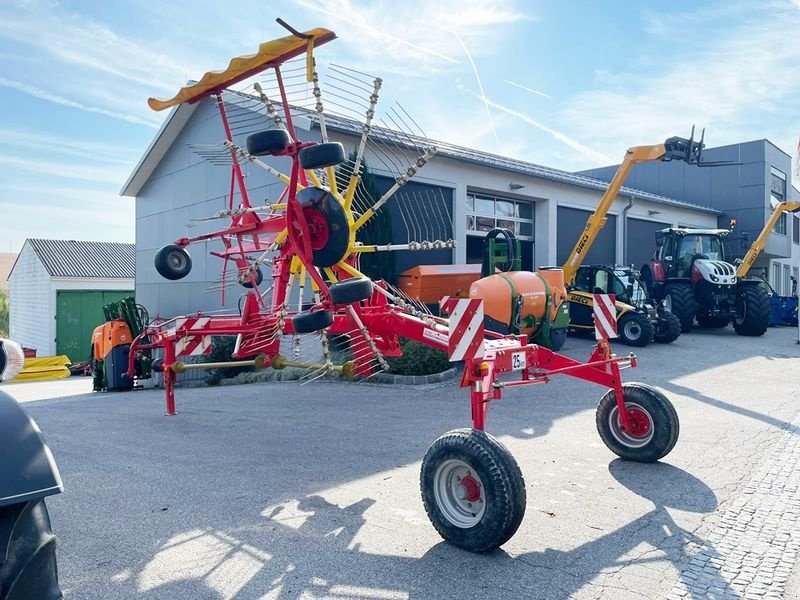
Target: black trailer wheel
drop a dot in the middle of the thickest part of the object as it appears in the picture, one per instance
(271, 141)
(667, 328)
(654, 423)
(709, 322)
(558, 335)
(173, 262)
(679, 300)
(635, 329)
(27, 553)
(752, 311)
(309, 321)
(472, 489)
(248, 283)
(321, 155)
(350, 290)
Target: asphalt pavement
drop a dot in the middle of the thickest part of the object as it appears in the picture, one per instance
(312, 491)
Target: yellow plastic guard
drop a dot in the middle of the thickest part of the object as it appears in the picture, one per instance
(43, 368)
(269, 54)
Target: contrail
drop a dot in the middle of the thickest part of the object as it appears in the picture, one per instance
(527, 89)
(480, 87)
(594, 156)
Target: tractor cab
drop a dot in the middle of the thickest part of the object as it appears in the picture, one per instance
(623, 282)
(678, 249)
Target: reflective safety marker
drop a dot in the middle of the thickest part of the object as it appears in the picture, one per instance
(192, 345)
(605, 317)
(465, 325)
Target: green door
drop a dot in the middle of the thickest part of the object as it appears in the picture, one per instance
(77, 314)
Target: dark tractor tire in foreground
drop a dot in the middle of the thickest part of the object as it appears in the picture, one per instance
(667, 328)
(679, 299)
(271, 141)
(655, 425)
(708, 322)
(350, 291)
(173, 262)
(752, 311)
(472, 489)
(310, 321)
(635, 329)
(558, 335)
(28, 567)
(321, 155)
(248, 283)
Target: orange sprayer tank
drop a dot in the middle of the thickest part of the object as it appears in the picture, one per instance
(525, 290)
(108, 336)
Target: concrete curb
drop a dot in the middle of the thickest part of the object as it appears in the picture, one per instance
(414, 379)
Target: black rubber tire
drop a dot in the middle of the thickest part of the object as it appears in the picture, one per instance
(665, 426)
(752, 311)
(321, 155)
(667, 328)
(173, 262)
(319, 205)
(503, 489)
(271, 141)
(707, 322)
(635, 329)
(28, 566)
(558, 336)
(350, 291)
(259, 278)
(310, 321)
(684, 307)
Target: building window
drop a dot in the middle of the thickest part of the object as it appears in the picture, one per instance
(796, 229)
(484, 213)
(776, 277)
(778, 184)
(780, 224)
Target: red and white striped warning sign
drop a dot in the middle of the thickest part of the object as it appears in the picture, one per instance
(192, 345)
(605, 316)
(465, 326)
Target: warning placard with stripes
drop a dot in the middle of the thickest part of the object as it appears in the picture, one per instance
(192, 345)
(466, 329)
(605, 316)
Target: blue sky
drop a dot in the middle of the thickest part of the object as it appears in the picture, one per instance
(569, 85)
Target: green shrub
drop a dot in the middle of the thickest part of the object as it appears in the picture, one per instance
(418, 359)
(3, 313)
(221, 350)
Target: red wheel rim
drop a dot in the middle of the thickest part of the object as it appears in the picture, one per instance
(317, 227)
(638, 423)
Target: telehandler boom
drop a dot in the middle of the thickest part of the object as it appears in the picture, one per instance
(744, 267)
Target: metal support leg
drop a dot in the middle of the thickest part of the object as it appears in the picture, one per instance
(169, 377)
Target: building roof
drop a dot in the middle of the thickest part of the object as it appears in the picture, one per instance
(99, 260)
(179, 117)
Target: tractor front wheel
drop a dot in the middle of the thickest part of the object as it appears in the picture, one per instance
(27, 553)
(752, 311)
(667, 328)
(635, 329)
(472, 489)
(679, 300)
(173, 262)
(652, 423)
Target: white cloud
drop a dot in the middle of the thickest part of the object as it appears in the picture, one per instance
(78, 171)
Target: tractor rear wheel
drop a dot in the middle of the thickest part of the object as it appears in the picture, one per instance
(173, 262)
(635, 329)
(679, 300)
(27, 553)
(472, 489)
(350, 290)
(653, 423)
(310, 321)
(709, 322)
(667, 328)
(271, 141)
(321, 155)
(752, 311)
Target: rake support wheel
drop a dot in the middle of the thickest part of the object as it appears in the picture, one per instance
(321, 155)
(350, 291)
(271, 141)
(173, 262)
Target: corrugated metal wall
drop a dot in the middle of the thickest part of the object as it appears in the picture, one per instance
(29, 298)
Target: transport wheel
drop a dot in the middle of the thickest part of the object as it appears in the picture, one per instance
(327, 226)
(472, 489)
(679, 300)
(173, 262)
(350, 290)
(752, 311)
(635, 329)
(27, 553)
(248, 283)
(707, 322)
(321, 155)
(654, 423)
(309, 321)
(271, 141)
(667, 328)
(558, 335)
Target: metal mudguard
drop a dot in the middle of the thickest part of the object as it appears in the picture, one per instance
(27, 468)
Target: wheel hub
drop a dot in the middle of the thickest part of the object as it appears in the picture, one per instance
(317, 227)
(458, 491)
(638, 432)
(638, 423)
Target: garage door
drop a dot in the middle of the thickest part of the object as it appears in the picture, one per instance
(642, 241)
(571, 223)
(77, 314)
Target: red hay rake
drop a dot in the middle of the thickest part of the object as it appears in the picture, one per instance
(472, 488)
